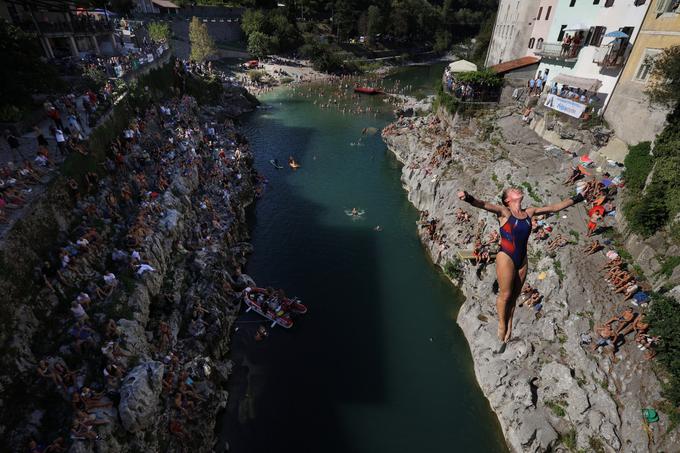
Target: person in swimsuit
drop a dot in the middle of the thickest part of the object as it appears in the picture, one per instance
(511, 261)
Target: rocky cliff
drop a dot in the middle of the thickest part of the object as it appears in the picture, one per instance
(549, 391)
(156, 351)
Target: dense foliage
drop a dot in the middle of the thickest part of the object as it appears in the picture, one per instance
(324, 59)
(270, 32)
(390, 23)
(202, 44)
(22, 73)
(664, 318)
(650, 206)
(445, 100)
(483, 78)
(158, 31)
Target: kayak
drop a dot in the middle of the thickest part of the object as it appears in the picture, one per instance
(367, 90)
(275, 164)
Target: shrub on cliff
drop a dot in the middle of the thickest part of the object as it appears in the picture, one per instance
(664, 319)
(651, 205)
(638, 162)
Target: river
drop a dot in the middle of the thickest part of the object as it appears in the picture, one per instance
(378, 364)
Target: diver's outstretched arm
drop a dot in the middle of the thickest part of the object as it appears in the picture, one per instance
(555, 207)
(500, 211)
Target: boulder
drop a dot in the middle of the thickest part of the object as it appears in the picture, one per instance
(140, 396)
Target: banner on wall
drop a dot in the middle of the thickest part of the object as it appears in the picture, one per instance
(566, 106)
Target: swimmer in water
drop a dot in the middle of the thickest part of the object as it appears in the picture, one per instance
(378, 228)
(355, 212)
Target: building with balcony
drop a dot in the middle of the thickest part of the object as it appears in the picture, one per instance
(542, 22)
(629, 112)
(62, 27)
(591, 40)
(512, 30)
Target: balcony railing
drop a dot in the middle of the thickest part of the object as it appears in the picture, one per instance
(610, 57)
(559, 51)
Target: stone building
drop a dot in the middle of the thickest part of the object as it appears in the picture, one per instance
(541, 28)
(512, 30)
(629, 111)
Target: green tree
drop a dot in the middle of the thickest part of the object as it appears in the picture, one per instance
(253, 20)
(158, 31)
(259, 44)
(664, 319)
(374, 23)
(202, 44)
(665, 81)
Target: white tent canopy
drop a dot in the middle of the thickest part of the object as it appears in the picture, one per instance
(462, 66)
(592, 85)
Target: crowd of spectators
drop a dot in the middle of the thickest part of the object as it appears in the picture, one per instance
(119, 209)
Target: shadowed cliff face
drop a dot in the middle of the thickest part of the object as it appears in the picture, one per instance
(193, 238)
(547, 389)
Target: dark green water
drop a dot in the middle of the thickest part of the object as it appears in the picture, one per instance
(378, 364)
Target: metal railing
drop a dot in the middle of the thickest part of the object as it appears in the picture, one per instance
(559, 51)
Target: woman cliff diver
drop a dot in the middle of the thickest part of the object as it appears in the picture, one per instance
(511, 262)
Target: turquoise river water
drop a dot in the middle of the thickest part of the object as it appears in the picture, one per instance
(379, 363)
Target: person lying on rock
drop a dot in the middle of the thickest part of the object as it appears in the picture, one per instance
(629, 290)
(556, 242)
(623, 319)
(511, 261)
(593, 247)
(605, 338)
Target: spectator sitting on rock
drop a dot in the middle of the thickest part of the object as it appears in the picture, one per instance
(593, 247)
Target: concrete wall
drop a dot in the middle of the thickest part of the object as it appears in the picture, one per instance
(514, 23)
(629, 112)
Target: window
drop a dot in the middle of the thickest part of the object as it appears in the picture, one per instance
(572, 3)
(539, 44)
(547, 13)
(589, 36)
(667, 6)
(560, 36)
(646, 65)
(531, 43)
(540, 11)
(598, 34)
(596, 2)
(608, 3)
(639, 2)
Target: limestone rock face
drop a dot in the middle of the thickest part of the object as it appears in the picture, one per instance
(547, 385)
(140, 396)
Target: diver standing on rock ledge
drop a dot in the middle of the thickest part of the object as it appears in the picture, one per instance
(511, 261)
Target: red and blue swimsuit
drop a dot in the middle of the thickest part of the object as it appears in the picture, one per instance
(514, 238)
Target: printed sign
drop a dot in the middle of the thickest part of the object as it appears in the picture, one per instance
(566, 106)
